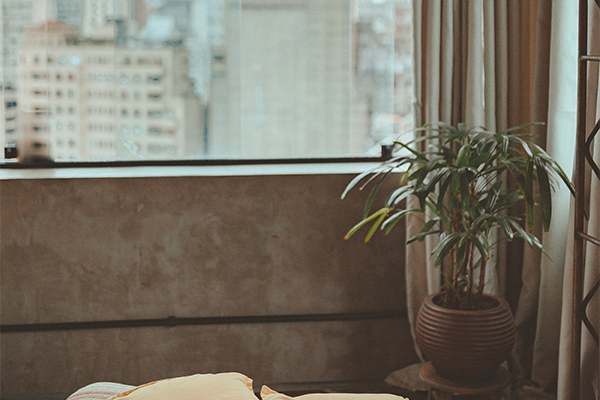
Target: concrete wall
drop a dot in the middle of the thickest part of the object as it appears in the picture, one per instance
(133, 248)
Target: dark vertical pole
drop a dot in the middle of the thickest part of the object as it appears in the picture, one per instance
(578, 257)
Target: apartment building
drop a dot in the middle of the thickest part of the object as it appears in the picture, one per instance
(290, 93)
(95, 99)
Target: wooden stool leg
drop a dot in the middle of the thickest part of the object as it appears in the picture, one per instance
(445, 395)
(436, 394)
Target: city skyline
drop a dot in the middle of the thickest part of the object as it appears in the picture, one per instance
(227, 85)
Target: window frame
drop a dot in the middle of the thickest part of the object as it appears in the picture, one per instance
(12, 163)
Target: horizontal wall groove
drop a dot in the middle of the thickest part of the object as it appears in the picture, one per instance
(173, 321)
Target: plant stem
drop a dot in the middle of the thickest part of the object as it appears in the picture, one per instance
(452, 266)
(471, 271)
(481, 285)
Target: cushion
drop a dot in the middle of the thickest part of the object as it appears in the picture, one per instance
(224, 386)
(267, 393)
(99, 391)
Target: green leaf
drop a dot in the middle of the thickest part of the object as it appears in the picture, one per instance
(505, 143)
(439, 212)
(446, 151)
(398, 195)
(365, 221)
(483, 250)
(373, 193)
(429, 224)
(493, 192)
(480, 159)
(374, 227)
(429, 187)
(443, 189)
(563, 175)
(474, 227)
(389, 224)
(416, 175)
(522, 127)
(463, 155)
(505, 226)
(517, 173)
(421, 236)
(427, 168)
(359, 178)
(465, 191)
(531, 240)
(525, 146)
(529, 193)
(417, 154)
(444, 247)
(545, 192)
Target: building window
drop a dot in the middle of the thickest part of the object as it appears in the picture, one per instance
(75, 60)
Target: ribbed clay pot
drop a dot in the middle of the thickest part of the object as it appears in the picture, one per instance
(465, 345)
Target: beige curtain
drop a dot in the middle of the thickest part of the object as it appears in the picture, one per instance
(502, 63)
(589, 348)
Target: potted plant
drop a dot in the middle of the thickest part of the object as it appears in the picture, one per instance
(456, 177)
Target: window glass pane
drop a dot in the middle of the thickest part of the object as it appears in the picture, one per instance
(172, 79)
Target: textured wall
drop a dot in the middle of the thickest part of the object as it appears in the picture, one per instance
(111, 249)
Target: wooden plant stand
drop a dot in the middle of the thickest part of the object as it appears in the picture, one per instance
(444, 389)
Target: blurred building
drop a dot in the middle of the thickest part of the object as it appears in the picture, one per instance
(69, 11)
(282, 82)
(15, 15)
(251, 78)
(98, 100)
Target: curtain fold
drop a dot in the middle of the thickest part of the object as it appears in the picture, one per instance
(498, 64)
(589, 349)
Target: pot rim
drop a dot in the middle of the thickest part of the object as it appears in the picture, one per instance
(502, 303)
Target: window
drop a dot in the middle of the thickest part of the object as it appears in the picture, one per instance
(223, 78)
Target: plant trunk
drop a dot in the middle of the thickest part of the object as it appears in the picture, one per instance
(482, 269)
(470, 271)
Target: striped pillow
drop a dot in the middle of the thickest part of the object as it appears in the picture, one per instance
(99, 391)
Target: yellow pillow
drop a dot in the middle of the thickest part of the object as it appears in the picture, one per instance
(267, 393)
(224, 386)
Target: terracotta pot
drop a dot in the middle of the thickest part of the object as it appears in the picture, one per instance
(465, 345)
